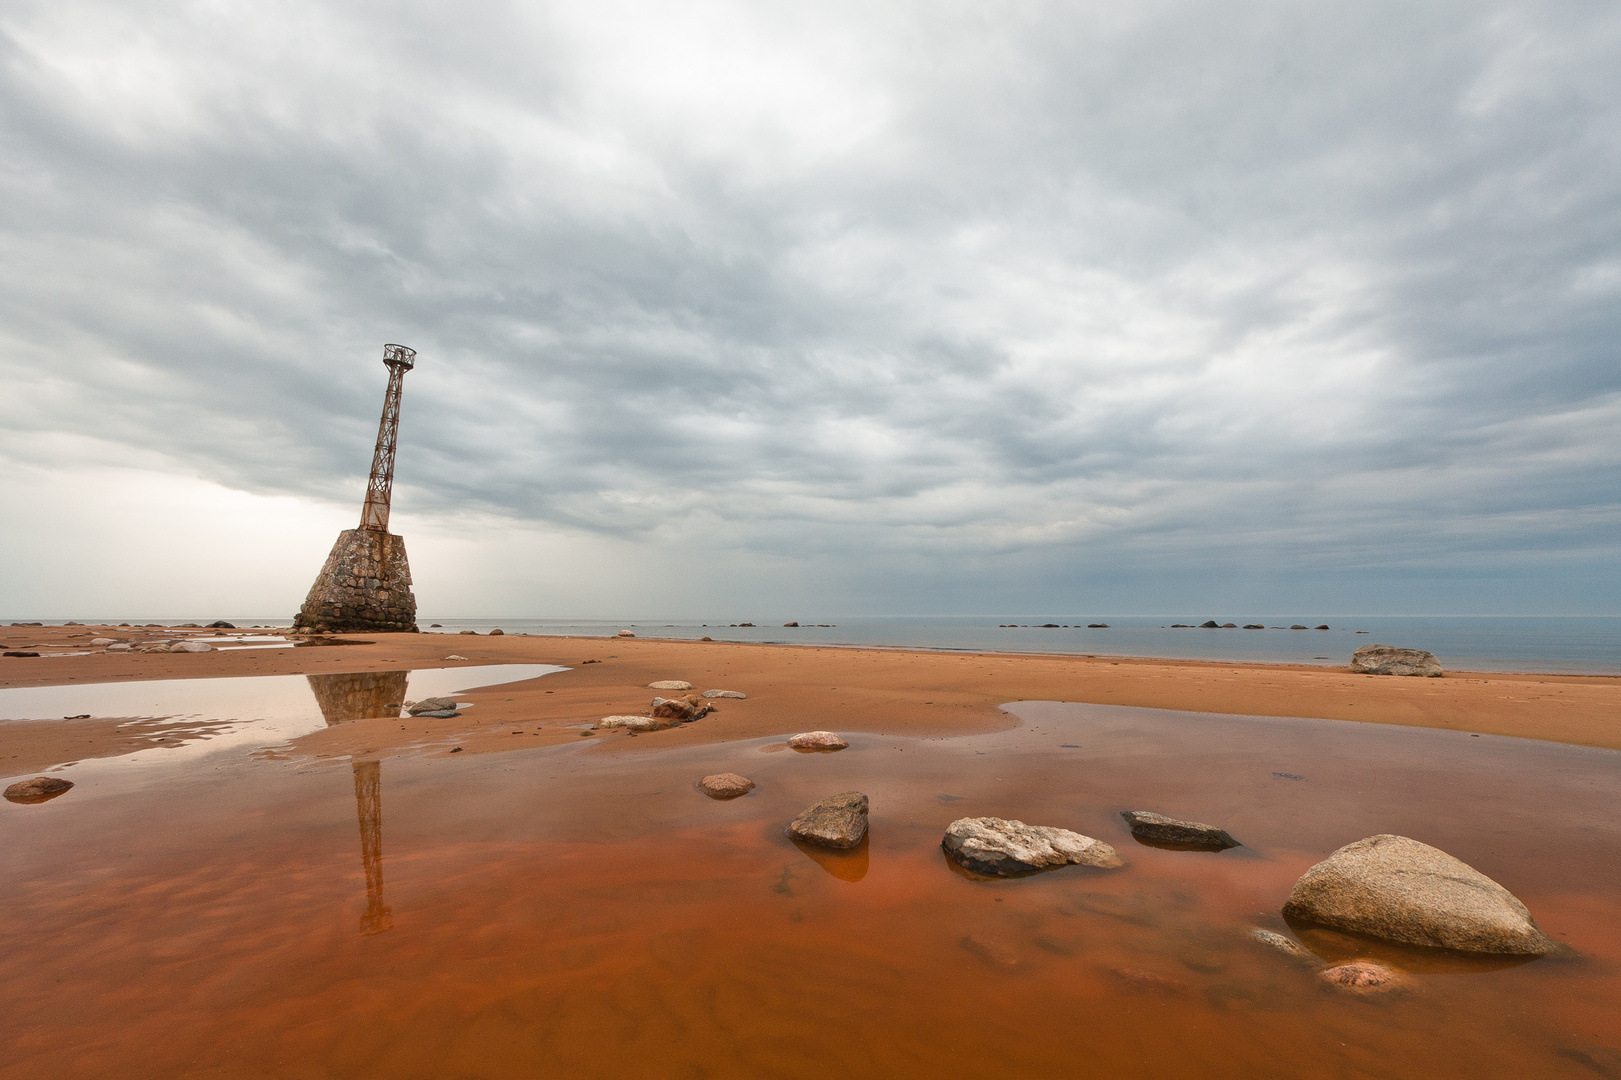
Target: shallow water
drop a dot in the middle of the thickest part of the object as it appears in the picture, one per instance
(241, 713)
(571, 912)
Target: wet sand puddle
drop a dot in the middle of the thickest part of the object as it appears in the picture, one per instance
(571, 912)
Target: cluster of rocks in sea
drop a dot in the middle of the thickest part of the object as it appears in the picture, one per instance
(670, 712)
(1385, 887)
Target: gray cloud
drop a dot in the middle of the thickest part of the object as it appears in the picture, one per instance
(934, 294)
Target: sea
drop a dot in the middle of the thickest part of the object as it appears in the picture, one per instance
(1572, 645)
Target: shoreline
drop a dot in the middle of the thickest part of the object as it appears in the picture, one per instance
(794, 687)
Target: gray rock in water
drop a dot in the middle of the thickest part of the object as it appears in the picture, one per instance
(1399, 889)
(738, 694)
(726, 785)
(1287, 946)
(1001, 848)
(432, 704)
(1389, 660)
(838, 821)
(37, 790)
(1159, 829)
(816, 740)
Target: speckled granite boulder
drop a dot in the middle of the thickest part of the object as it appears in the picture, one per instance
(1389, 660)
(838, 821)
(1399, 889)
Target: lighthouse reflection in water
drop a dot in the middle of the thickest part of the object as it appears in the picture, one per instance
(359, 696)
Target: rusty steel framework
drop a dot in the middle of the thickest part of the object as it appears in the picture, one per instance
(379, 489)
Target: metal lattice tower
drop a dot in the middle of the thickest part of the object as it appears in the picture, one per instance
(380, 487)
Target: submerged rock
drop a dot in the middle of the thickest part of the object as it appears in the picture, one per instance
(838, 821)
(1287, 946)
(37, 790)
(726, 785)
(816, 740)
(1363, 977)
(738, 694)
(1389, 660)
(670, 684)
(1000, 847)
(1159, 829)
(1399, 889)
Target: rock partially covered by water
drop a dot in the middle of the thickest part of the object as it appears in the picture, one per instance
(1389, 660)
(838, 821)
(1364, 978)
(738, 694)
(631, 723)
(726, 785)
(670, 684)
(37, 790)
(1287, 946)
(432, 704)
(1000, 848)
(816, 740)
(1399, 889)
(1159, 829)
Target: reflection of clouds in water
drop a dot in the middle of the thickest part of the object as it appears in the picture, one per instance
(237, 714)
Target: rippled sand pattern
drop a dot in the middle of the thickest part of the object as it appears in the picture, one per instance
(564, 912)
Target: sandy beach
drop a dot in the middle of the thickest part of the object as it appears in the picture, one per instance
(790, 688)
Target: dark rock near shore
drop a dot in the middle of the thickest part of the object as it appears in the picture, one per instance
(21, 653)
(1209, 624)
(431, 705)
(1321, 626)
(790, 624)
(37, 790)
(1298, 626)
(726, 785)
(221, 625)
(1003, 848)
(1161, 830)
(838, 821)
(1254, 626)
(1399, 889)
(1389, 660)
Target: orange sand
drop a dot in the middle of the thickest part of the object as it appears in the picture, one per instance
(792, 688)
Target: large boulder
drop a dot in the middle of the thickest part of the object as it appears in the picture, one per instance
(1159, 829)
(838, 821)
(1002, 848)
(1399, 889)
(1389, 660)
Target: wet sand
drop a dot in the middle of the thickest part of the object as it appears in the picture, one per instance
(557, 910)
(905, 692)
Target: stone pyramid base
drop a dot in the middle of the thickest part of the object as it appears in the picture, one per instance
(364, 588)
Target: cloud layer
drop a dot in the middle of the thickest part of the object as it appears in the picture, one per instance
(940, 304)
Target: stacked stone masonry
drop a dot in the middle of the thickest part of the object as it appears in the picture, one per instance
(365, 587)
(358, 695)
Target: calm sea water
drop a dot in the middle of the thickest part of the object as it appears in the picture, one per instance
(1589, 645)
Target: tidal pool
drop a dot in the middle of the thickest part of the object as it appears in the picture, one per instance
(573, 912)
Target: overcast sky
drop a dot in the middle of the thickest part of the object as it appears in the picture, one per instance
(756, 309)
